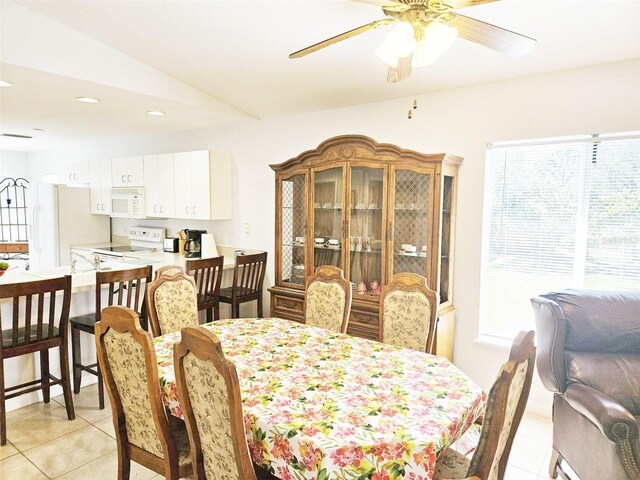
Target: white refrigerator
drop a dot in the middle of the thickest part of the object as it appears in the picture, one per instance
(60, 216)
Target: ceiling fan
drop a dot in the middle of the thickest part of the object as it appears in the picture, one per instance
(425, 30)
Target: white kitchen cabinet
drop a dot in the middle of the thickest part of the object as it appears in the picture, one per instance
(159, 186)
(200, 185)
(203, 181)
(127, 172)
(100, 186)
(76, 172)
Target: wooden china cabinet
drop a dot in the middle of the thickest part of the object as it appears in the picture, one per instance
(373, 210)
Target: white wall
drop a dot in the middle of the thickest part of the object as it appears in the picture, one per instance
(14, 164)
(592, 100)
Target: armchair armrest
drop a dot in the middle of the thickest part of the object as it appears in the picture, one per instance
(551, 328)
(614, 421)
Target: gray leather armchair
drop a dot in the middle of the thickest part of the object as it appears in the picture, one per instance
(589, 356)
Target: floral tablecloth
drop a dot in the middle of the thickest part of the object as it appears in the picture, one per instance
(323, 405)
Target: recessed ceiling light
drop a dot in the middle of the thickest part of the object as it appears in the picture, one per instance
(87, 100)
(39, 129)
(156, 113)
(4, 83)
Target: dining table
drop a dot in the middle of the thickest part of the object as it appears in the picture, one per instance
(324, 405)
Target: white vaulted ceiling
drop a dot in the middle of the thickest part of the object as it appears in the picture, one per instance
(208, 63)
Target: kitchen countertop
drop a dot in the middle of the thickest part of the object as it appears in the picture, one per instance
(85, 278)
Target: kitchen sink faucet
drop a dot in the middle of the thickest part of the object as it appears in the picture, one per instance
(95, 261)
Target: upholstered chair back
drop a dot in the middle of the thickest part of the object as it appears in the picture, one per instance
(210, 396)
(596, 342)
(327, 301)
(505, 406)
(128, 363)
(173, 302)
(408, 313)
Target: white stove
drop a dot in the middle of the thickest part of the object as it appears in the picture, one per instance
(143, 239)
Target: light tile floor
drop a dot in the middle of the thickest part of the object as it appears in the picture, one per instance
(43, 444)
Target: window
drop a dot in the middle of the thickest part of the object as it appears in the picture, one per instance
(559, 214)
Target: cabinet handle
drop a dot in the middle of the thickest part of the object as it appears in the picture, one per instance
(70, 176)
(161, 208)
(97, 207)
(103, 207)
(124, 180)
(186, 209)
(155, 209)
(75, 176)
(289, 304)
(193, 210)
(129, 178)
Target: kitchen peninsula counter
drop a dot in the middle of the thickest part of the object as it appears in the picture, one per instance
(25, 368)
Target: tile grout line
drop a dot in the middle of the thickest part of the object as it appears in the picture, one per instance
(37, 468)
(85, 464)
(57, 438)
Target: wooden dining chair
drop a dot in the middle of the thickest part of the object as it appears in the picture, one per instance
(209, 393)
(408, 310)
(207, 273)
(327, 302)
(143, 431)
(172, 302)
(37, 325)
(248, 278)
(505, 407)
(125, 287)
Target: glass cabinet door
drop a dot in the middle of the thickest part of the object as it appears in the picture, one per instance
(293, 227)
(412, 209)
(328, 217)
(366, 229)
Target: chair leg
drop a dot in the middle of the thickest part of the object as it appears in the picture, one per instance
(556, 458)
(124, 463)
(44, 375)
(209, 315)
(76, 355)
(260, 307)
(216, 312)
(236, 310)
(3, 413)
(66, 381)
(100, 388)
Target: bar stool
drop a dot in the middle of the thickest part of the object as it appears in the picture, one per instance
(126, 288)
(248, 277)
(207, 273)
(36, 327)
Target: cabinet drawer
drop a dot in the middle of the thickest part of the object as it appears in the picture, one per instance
(363, 332)
(287, 304)
(287, 315)
(368, 318)
(14, 247)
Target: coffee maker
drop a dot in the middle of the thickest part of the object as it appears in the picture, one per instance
(193, 245)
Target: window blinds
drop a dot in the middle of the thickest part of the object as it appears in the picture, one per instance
(556, 215)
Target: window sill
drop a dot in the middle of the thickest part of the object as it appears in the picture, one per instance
(493, 343)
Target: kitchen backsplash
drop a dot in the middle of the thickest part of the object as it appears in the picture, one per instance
(220, 229)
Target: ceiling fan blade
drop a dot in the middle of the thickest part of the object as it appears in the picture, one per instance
(491, 36)
(402, 71)
(339, 38)
(381, 3)
(457, 4)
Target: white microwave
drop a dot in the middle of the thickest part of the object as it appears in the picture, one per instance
(127, 202)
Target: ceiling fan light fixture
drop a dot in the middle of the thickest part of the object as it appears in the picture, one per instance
(399, 43)
(438, 38)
